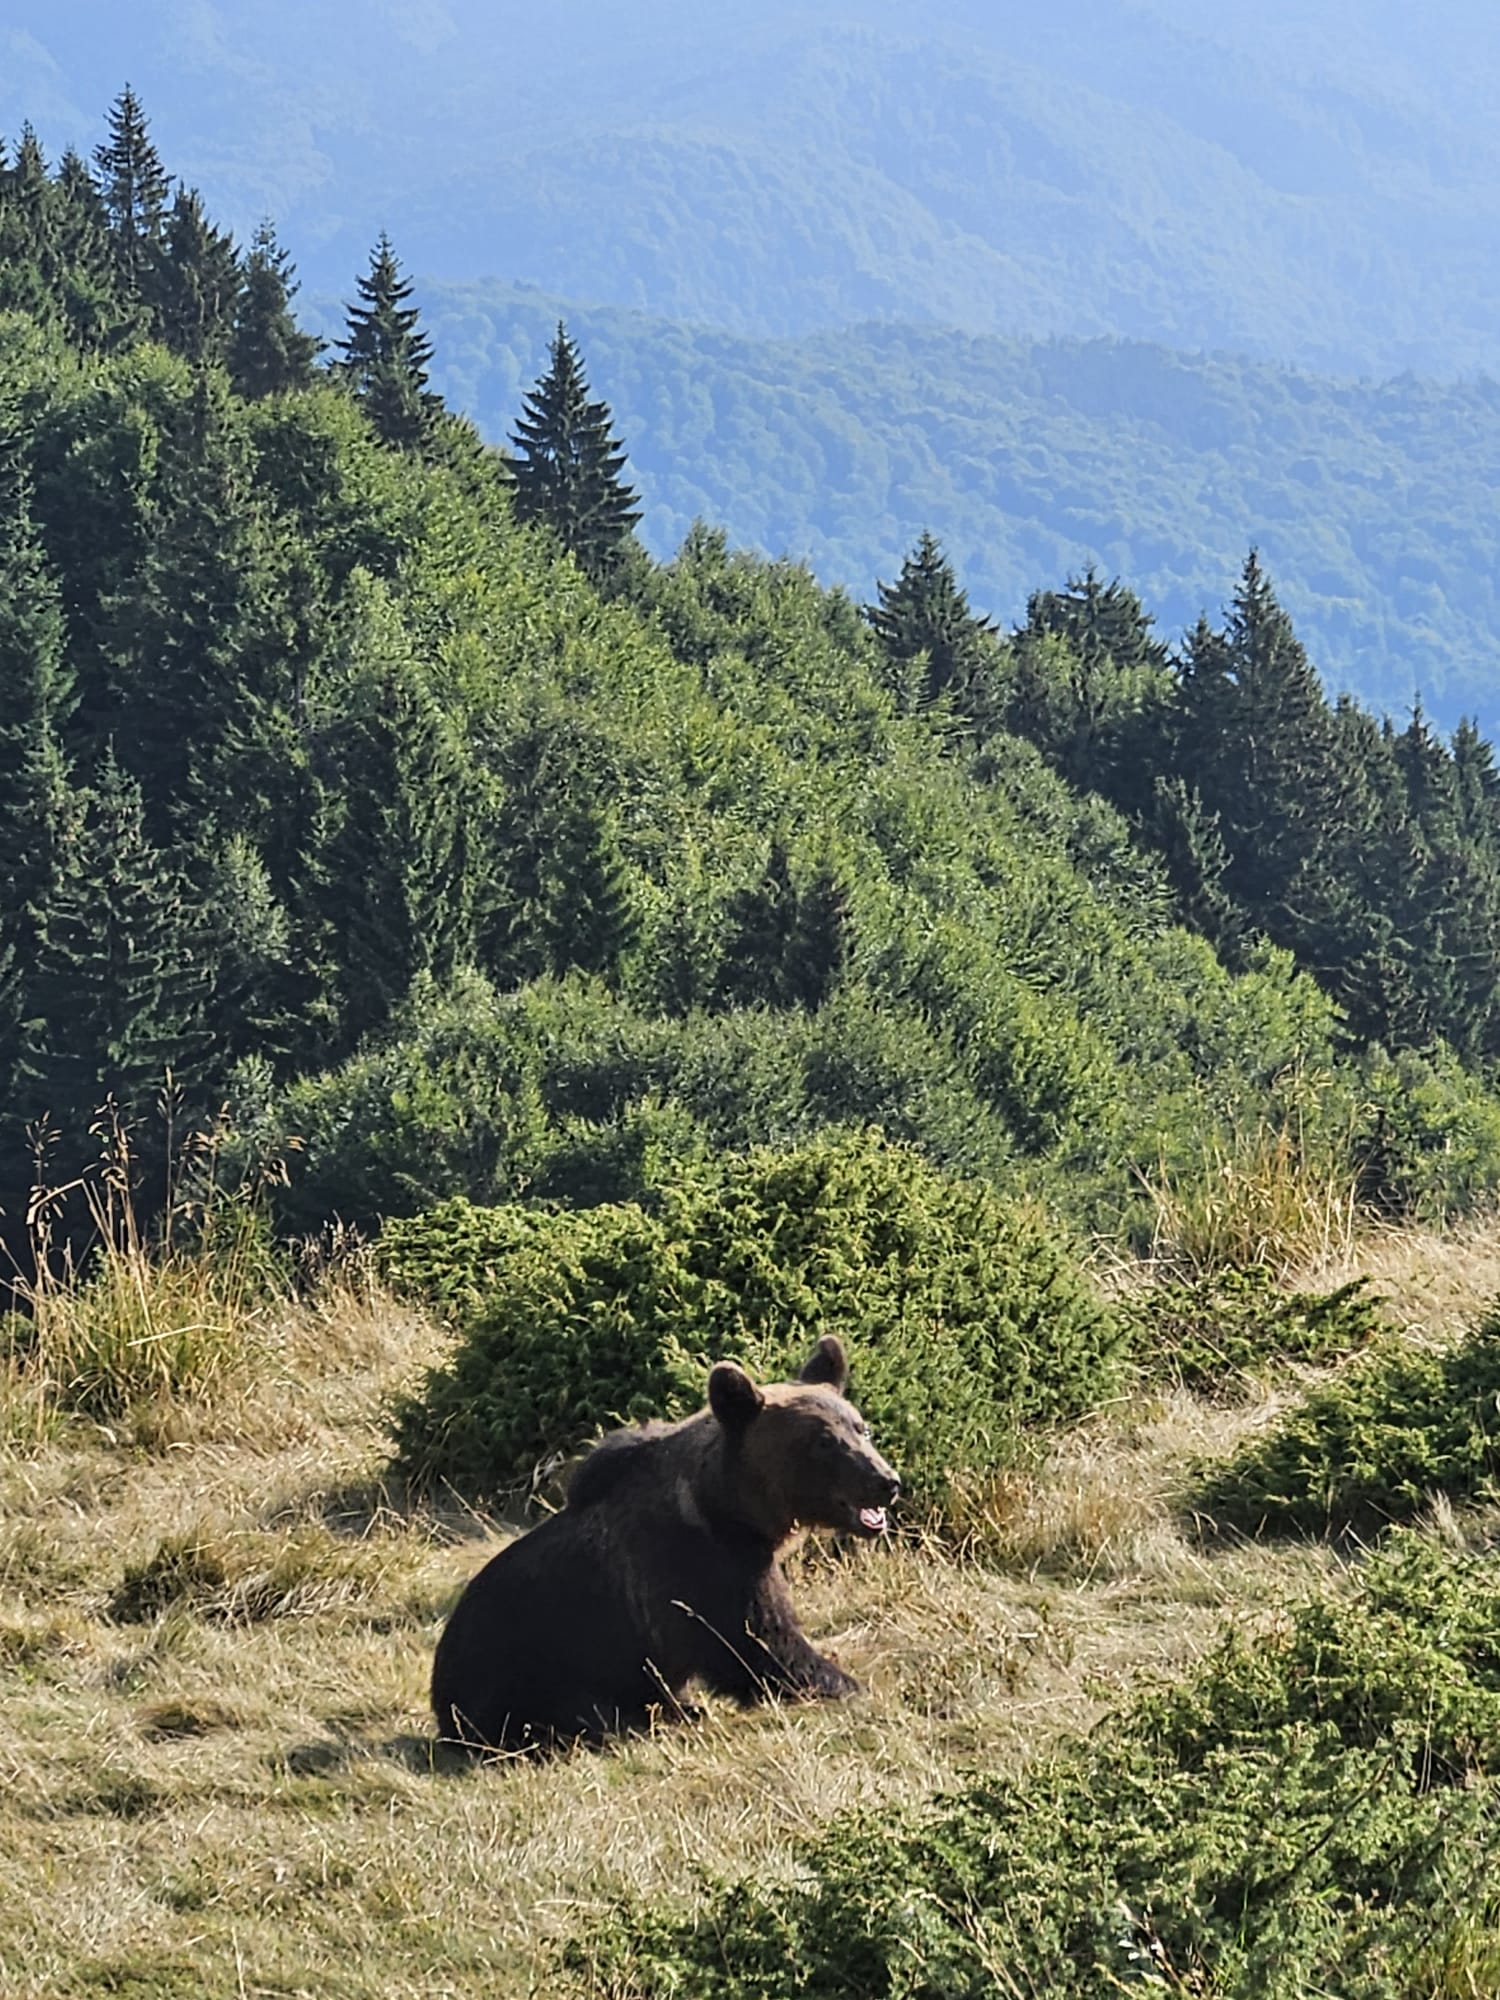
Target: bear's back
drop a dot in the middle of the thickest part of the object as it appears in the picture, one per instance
(614, 1460)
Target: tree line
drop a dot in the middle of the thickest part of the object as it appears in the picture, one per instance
(1370, 852)
(374, 783)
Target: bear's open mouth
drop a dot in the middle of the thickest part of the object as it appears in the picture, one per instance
(872, 1521)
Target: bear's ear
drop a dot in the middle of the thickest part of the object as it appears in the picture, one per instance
(732, 1396)
(828, 1364)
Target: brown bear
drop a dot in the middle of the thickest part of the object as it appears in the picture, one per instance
(662, 1569)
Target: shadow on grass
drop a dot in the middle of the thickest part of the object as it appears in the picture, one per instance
(332, 1756)
(362, 1507)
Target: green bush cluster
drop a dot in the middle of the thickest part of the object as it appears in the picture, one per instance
(1312, 1813)
(1209, 1332)
(1372, 1447)
(966, 1319)
(451, 1257)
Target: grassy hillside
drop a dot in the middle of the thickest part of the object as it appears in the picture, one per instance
(1369, 501)
(214, 1649)
(370, 867)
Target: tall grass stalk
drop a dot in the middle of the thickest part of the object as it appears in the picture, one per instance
(121, 1322)
(1272, 1197)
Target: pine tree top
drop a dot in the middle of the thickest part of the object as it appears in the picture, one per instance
(386, 354)
(569, 472)
(134, 182)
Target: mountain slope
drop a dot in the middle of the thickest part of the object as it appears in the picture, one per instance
(1372, 504)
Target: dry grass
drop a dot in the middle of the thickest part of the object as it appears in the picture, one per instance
(1271, 1197)
(214, 1740)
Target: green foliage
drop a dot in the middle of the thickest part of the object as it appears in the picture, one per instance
(386, 355)
(932, 642)
(480, 881)
(453, 1256)
(1087, 682)
(134, 186)
(268, 352)
(1031, 459)
(966, 1320)
(1312, 1812)
(197, 284)
(114, 998)
(1372, 1447)
(1428, 1142)
(1210, 1331)
(568, 475)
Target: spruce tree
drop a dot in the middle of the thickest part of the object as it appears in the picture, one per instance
(1094, 700)
(1477, 786)
(1192, 849)
(179, 627)
(386, 356)
(134, 188)
(35, 701)
(268, 352)
(88, 286)
(401, 841)
(569, 467)
(28, 250)
(260, 995)
(560, 896)
(1452, 894)
(117, 988)
(787, 940)
(924, 624)
(1255, 737)
(197, 283)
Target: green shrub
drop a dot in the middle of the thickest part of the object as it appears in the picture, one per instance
(1372, 1447)
(451, 1257)
(966, 1321)
(1208, 1332)
(1301, 1818)
(1429, 1137)
(1411, 1662)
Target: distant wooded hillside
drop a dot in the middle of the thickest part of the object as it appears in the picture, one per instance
(1372, 503)
(1317, 182)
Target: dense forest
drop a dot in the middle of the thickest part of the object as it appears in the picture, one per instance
(376, 785)
(1369, 501)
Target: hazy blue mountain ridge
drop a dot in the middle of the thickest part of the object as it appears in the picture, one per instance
(1320, 184)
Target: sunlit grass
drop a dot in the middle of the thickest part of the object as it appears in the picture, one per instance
(218, 1762)
(1270, 1197)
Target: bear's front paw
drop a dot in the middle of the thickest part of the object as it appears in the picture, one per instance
(833, 1684)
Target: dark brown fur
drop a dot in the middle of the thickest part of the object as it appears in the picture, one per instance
(662, 1569)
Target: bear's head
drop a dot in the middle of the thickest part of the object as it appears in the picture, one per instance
(799, 1453)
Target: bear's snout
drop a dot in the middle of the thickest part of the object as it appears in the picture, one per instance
(879, 1489)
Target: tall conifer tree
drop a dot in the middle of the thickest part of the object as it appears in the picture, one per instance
(88, 280)
(197, 282)
(28, 248)
(1257, 740)
(569, 469)
(386, 355)
(115, 996)
(268, 352)
(924, 623)
(134, 186)
(178, 629)
(35, 701)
